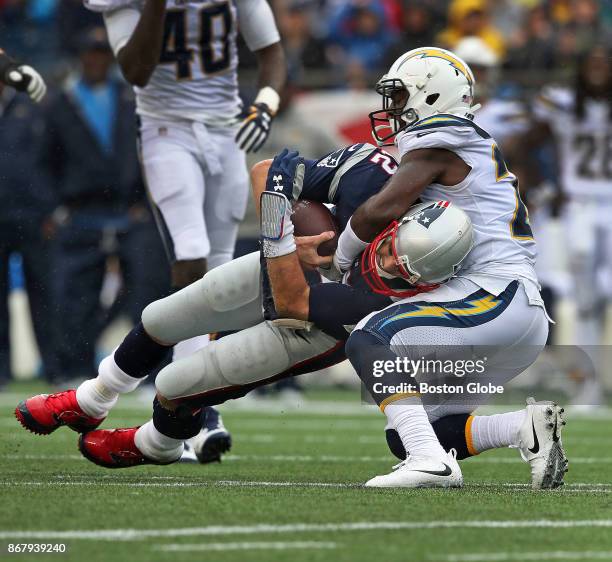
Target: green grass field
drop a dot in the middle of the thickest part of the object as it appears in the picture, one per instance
(292, 490)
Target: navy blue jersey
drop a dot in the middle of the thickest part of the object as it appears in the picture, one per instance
(347, 177)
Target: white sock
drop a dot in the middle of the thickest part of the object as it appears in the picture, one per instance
(157, 446)
(95, 399)
(97, 396)
(190, 346)
(494, 432)
(409, 419)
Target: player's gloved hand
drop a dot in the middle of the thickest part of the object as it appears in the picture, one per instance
(25, 79)
(255, 128)
(286, 174)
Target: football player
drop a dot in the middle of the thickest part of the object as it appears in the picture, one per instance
(181, 57)
(22, 77)
(493, 301)
(579, 120)
(267, 347)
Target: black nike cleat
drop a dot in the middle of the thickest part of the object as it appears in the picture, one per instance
(213, 441)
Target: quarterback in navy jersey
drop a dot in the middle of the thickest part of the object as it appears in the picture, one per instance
(228, 298)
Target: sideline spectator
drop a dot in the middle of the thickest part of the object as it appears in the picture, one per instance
(89, 151)
(359, 37)
(418, 28)
(25, 226)
(471, 18)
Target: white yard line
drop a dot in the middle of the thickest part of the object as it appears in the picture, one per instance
(319, 458)
(272, 407)
(222, 546)
(185, 482)
(527, 556)
(218, 530)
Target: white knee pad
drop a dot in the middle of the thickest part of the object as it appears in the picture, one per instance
(226, 298)
(233, 284)
(242, 358)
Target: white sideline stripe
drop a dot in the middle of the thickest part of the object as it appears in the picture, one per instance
(175, 482)
(319, 458)
(271, 407)
(221, 546)
(524, 556)
(216, 530)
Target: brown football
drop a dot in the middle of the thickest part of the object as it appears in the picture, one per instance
(311, 218)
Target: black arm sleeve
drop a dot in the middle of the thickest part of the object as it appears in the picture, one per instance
(6, 64)
(335, 308)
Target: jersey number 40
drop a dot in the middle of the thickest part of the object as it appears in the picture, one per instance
(215, 25)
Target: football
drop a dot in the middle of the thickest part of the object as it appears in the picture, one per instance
(311, 218)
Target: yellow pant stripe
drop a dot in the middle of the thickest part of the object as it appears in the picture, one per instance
(468, 437)
(396, 397)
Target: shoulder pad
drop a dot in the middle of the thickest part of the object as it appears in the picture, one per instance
(440, 131)
(556, 98)
(111, 5)
(460, 125)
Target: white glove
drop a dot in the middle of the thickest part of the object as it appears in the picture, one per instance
(25, 79)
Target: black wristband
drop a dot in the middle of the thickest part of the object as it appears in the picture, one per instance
(6, 65)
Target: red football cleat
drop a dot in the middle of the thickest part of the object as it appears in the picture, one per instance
(44, 413)
(114, 448)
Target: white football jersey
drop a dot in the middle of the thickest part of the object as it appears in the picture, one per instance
(196, 77)
(504, 247)
(503, 118)
(584, 145)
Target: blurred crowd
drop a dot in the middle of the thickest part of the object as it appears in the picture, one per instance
(73, 201)
(351, 42)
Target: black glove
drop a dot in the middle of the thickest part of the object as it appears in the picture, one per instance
(286, 171)
(255, 128)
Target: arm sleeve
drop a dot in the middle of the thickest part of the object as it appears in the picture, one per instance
(120, 24)
(257, 24)
(336, 308)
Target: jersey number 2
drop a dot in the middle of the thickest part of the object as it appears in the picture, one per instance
(175, 42)
(520, 228)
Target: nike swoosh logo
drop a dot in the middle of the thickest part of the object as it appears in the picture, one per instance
(419, 135)
(536, 443)
(446, 472)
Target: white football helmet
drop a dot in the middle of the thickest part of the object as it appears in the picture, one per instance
(428, 243)
(421, 83)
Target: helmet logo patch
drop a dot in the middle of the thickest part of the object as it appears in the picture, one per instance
(429, 215)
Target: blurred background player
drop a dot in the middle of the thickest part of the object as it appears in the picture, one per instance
(181, 58)
(89, 160)
(579, 121)
(505, 115)
(25, 215)
(22, 77)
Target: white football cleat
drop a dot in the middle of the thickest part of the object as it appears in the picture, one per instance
(539, 442)
(422, 472)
